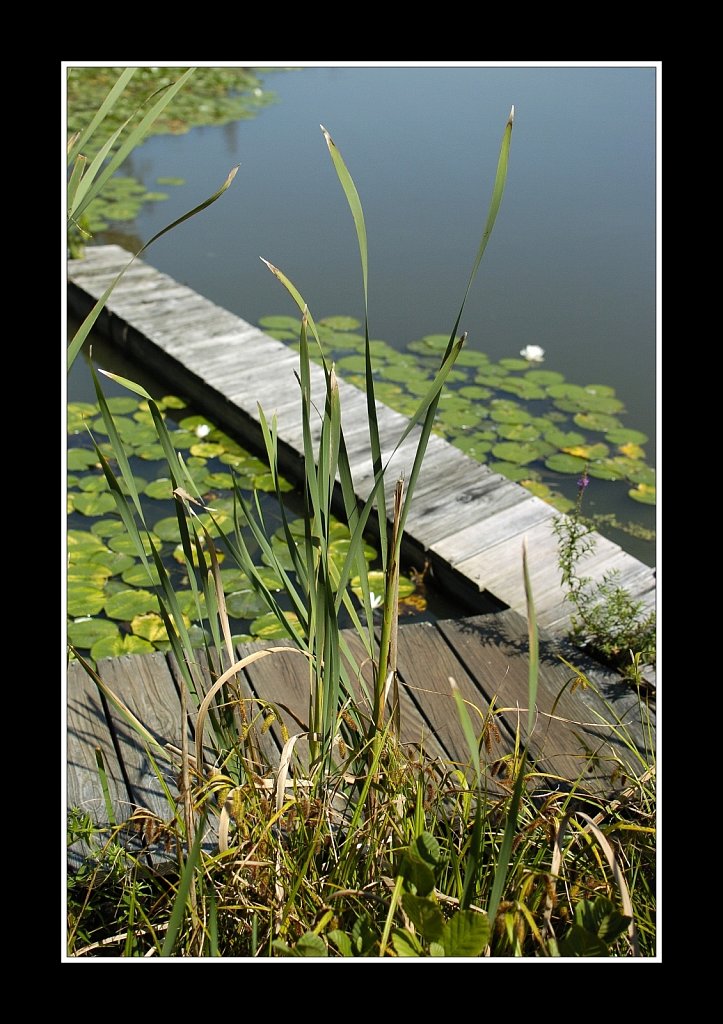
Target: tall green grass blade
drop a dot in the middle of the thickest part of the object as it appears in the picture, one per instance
(184, 886)
(118, 446)
(103, 110)
(503, 861)
(352, 197)
(123, 508)
(77, 206)
(85, 328)
(103, 776)
(134, 139)
(79, 168)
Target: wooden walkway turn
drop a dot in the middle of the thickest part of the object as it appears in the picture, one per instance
(582, 739)
(468, 521)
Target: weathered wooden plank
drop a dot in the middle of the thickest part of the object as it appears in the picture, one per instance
(88, 729)
(576, 735)
(146, 686)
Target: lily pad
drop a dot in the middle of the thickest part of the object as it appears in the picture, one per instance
(150, 452)
(217, 482)
(265, 482)
(137, 576)
(268, 626)
(93, 484)
(151, 627)
(475, 392)
(643, 493)
(377, 582)
(85, 632)
(631, 451)
(518, 432)
(511, 451)
(207, 449)
(187, 603)
(512, 470)
(538, 488)
(563, 438)
(545, 378)
(514, 364)
(82, 543)
(114, 561)
(128, 603)
(179, 556)
(588, 451)
(89, 572)
(170, 181)
(115, 646)
(600, 389)
(340, 323)
(468, 357)
(510, 415)
(119, 405)
(233, 579)
(352, 364)
(245, 604)
(522, 388)
(596, 421)
(168, 529)
(471, 445)
(171, 402)
(84, 599)
(94, 504)
(562, 463)
(622, 435)
(642, 475)
(122, 542)
(160, 488)
(606, 469)
(80, 459)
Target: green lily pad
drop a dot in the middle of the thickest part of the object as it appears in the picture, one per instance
(510, 415)
(377, 584)
(125, 544)
(475, 392)
(168, 529)
(170, 181)
(119, 405)
(512, 470)
(179, 555)
(245, 604)
(491, 372)
(114, 646)
(190, 423)
(278, 334)
(288, 323)
(80, 459)
(643, 493)
(600, 389)
(128, 603)
(511, 451)
(234, 579)
(518, 432)
(150, 452)
(514, 364)
(588, 451)
(84, 599)
(217, 482)
(596, 421)
(563, 438)
(545, 378)
(562, 463)
(560, 502)
(351, 364)
(151, 627)
(268, 626)
(82, 543)
(572, 392)
(606, 469)
(207, 449)
(187, 604)
(265, 482)
(538, 488)
(136, 575)
(114, 561)
(94, 504)
(458, 416)
(468, 357)
(171, 402)
(522, 388)
(471, 445)
(642, 475)
(340, 323)
(624, 436)
(85, 632)
(155, 197)
(160, 488)
(89, 572)
(435, 342)
(93, 484)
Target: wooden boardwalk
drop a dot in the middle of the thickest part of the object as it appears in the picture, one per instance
(581, 738)
(466, 520)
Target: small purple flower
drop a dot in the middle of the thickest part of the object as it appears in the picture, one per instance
(583, 481)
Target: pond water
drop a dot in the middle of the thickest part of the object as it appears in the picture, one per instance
(571, 264)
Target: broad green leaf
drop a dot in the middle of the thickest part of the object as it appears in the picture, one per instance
(151, 626)
(245, 604)
(115, 646)
(81, 458)
(311, 945)
(85, 632)
(405, 944)
(341, 940)
(425, 915)
(137, 575)
(84, 599)
(466, 934)
(565, 463)
(129, 603)
(510, 451)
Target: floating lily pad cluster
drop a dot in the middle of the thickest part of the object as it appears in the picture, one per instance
(213, 96)
(111, 599)
(525, 422)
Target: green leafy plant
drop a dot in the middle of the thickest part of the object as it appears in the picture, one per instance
(605, 619)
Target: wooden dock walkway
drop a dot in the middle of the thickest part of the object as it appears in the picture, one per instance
(466, 520)
(582, 738)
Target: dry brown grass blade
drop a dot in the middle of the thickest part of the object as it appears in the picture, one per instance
(223, 679)
(619, 879)
(283, 770)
